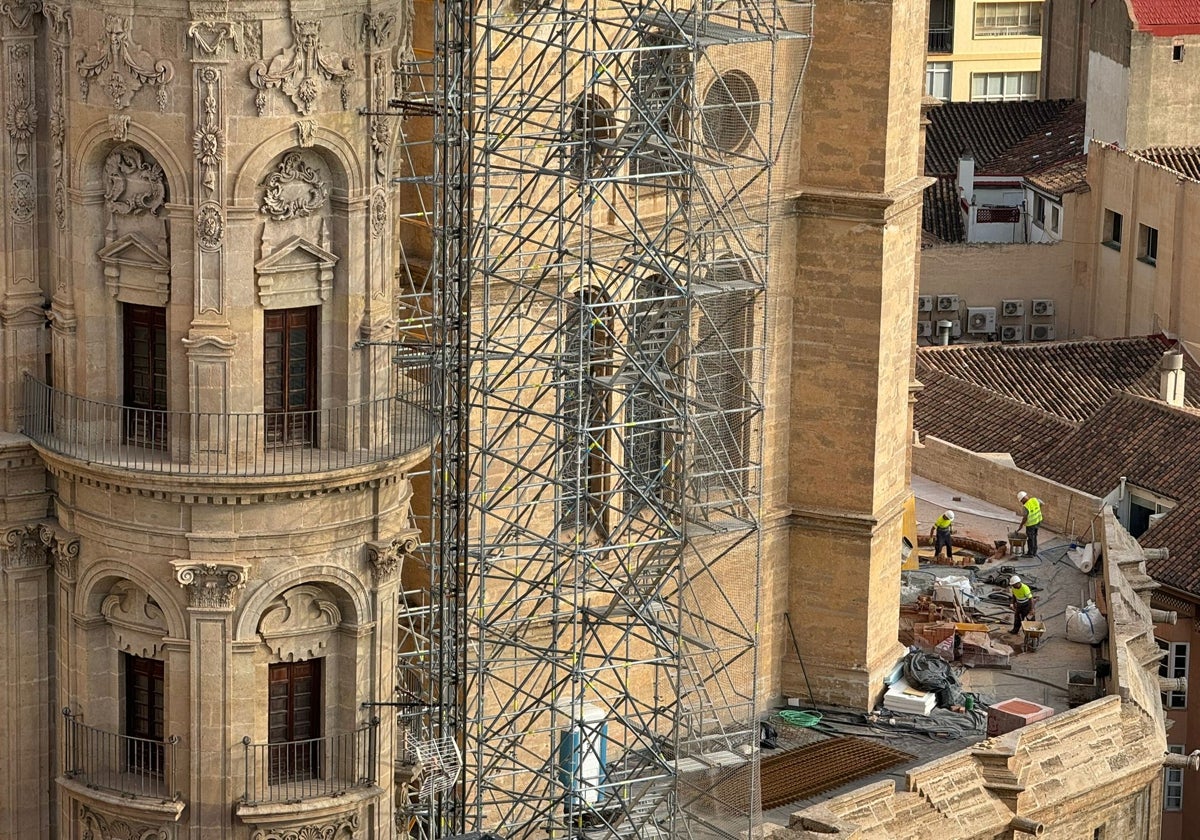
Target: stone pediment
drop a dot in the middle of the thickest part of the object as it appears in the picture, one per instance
(135, 271)
(299, 624)
(297, 273)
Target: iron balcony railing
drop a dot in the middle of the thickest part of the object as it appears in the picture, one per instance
(941, 40)
(293, 771)
(233, 443)
(132, 767)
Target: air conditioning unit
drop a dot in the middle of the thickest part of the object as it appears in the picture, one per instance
(947, 303)
(924, 303)
(1043, 307)
(1012, 308)
(1012, 332)
(924, 329)
(1041, 332)
(981, 320)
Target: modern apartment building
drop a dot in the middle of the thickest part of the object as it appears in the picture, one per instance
(984, 51)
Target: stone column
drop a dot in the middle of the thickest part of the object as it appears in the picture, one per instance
(857, 227)
(25, 727)
(62, 314)
(22, 319)
(386, 559)
(211, 589)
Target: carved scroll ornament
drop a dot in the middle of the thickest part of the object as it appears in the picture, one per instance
(210, 586)
(298, 70)
(128, 66)
(294, 189)
(134, 183)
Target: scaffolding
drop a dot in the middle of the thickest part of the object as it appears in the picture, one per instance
(586, 246)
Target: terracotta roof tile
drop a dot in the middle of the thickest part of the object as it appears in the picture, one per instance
(1062, 178)
(992, 130)
(1183, 159)
(940, 215)
(1069, 379)
(1059, 139)
(1179, 15)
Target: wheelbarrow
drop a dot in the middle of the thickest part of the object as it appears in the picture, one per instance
(1016, 541)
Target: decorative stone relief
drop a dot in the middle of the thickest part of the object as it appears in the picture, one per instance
(379, 213)
(294, 189)
(341, 828)
(20, 120)
(306, 131)
(299, 69)
(128, 66)
(118, 124)
(134, 183)
(210, 227)
(23, 548)
(406, 56)
(376, 29)
(208, 142)
(136, 620)
(22, 197)
(135, 271)
(297, 273)
(62, 547)
(210, 35)
(299, 624)
(209, 585)
(104, 827)
(20, 12)
(385, 556)
(379, 124)
(59, 19)
(59, 16)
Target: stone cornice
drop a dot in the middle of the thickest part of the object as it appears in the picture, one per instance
(856, 206)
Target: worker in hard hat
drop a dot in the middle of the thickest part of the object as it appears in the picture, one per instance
(1021, 601)
(941, 530)
(1031, 518)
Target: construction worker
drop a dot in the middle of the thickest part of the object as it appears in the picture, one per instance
(1021, 601)
(1030, 520)
(940, 531)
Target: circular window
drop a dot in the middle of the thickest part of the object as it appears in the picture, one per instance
(730, 112)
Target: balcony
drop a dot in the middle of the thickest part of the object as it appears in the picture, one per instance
(131, 768)
(941, 40)
(296, 771)
(199, 444)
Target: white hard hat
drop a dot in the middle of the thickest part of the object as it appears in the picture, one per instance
(1014, 580)
(950, 515)
(1022, 496)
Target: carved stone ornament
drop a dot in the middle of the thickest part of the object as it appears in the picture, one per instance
(341, 828)
(379, 213)
(118, 124)
(210, 35)
(20, 116)
(20, 12)
(306, 131)
(59, 16)
(22, 197)
(208, 143)
(385, 556)
(299, 624)
(23, 548)
(134, 183)
(294, 189)
(62, 547)
(98, 826)
(210, 227)
(209, 585)
(127, 66)
(136, 620)
(299, 70)
(376, 29)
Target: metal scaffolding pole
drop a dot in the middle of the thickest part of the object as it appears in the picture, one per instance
(588, 183)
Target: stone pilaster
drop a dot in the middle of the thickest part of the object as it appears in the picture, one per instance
(211, 595)
(25, 725)
(857, 222)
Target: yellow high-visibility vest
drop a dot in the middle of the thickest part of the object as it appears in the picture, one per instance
(1022, 592)
(942, 523)
(1033, 511)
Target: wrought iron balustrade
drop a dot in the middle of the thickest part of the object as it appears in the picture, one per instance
(941, 40)
(293, 771)
(133, 767)
(234, 443)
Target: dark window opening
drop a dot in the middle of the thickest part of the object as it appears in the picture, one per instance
(145, 397)
(1177, 52)
(144, 715)
(1148, 244)
(294, 720)
(290, 376)
(1112, 229)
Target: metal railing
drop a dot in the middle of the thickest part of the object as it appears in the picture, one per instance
(233, 443)
(941, 40)
(133, 767)
(293, 771)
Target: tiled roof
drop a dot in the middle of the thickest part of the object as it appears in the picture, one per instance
(994, 423)
(1069, 379)
(940, 214)
(1183, 159)
(1082, 413)
(1179, 16)
(1058, 140)
(1060, 179)
(991, 131)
